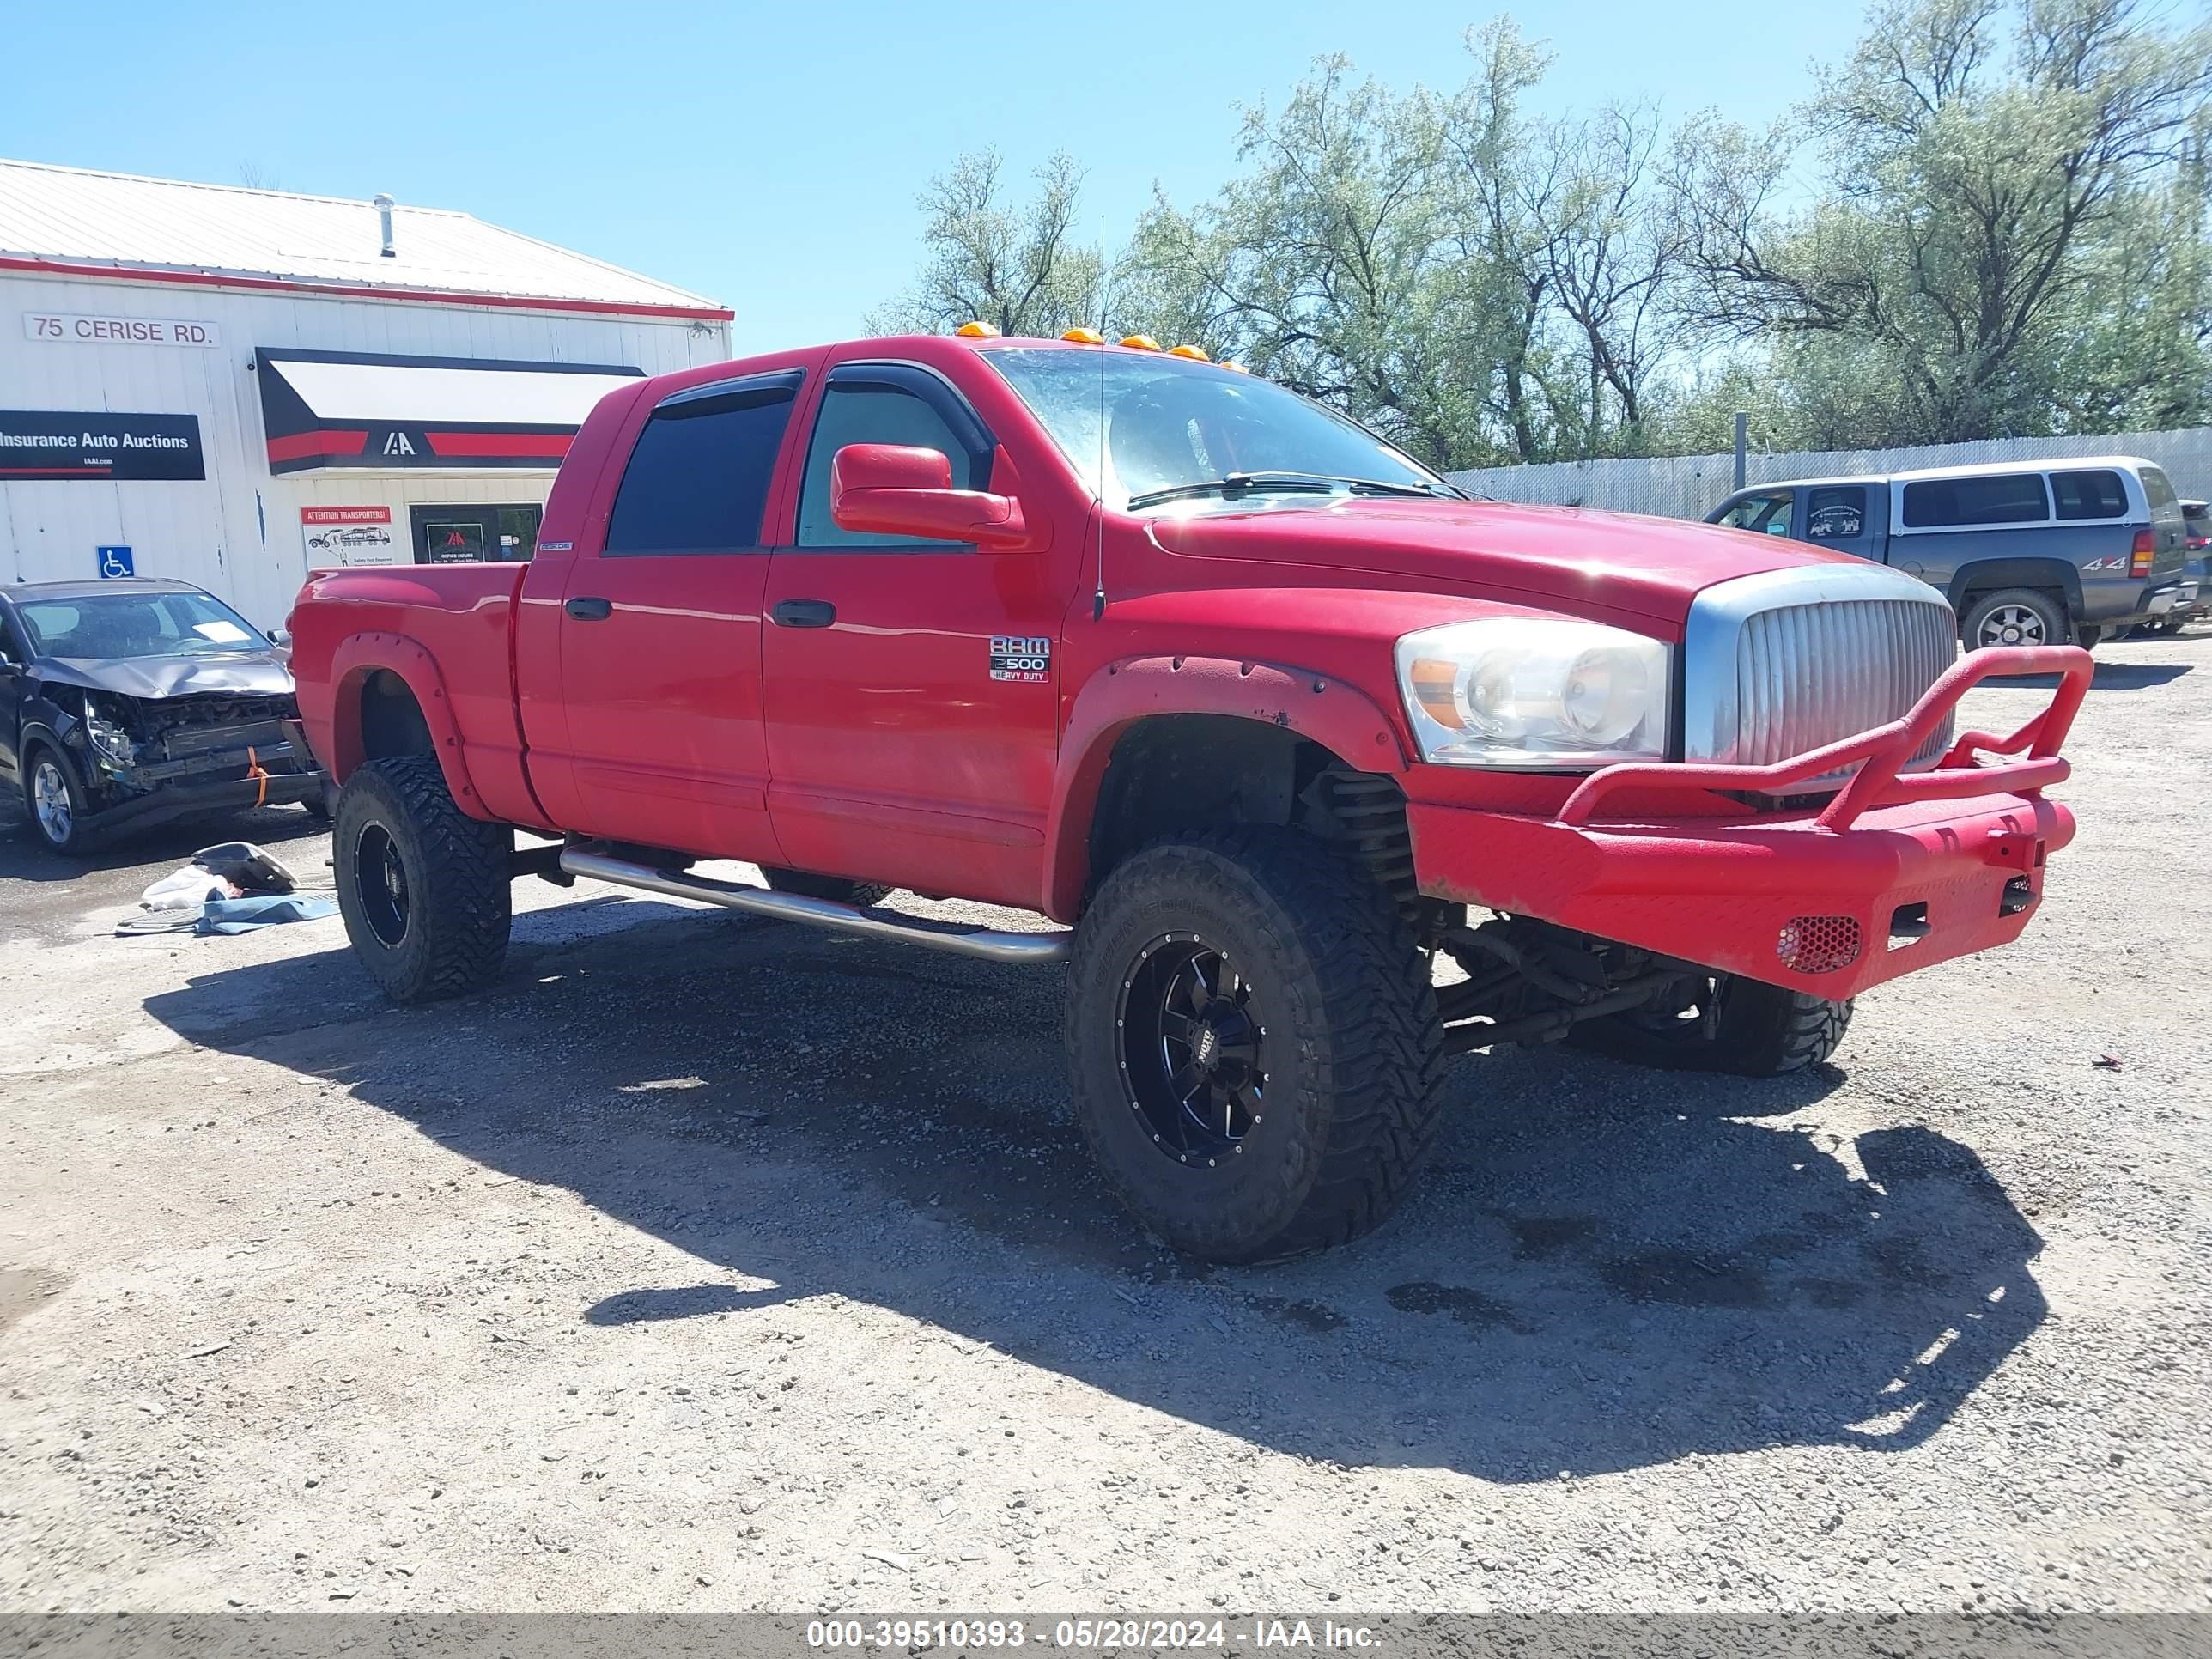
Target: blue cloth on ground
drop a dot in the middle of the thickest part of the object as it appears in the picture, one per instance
(243, 915)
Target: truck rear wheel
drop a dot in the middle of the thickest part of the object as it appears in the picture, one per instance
(1722, 1024)
(838, 889)
(424, 888)
(2014, 615)
(1253, 1042)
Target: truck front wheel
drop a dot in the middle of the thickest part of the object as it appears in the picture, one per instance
(1721, 1024)
(1254, 1051)
(424, 888)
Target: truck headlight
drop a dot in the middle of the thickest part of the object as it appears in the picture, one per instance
(109, 740)
(1535, 695)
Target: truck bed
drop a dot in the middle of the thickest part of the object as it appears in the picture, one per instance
(459, 621)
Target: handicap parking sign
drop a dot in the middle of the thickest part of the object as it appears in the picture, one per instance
(115, 562)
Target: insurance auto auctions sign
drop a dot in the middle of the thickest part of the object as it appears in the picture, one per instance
(46, 443)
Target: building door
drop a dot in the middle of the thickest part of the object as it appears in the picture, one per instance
(467, 533)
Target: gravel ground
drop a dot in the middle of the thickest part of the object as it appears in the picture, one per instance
(713, 1264)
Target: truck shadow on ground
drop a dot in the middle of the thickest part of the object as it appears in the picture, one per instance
(2124, 676)
(2106, 677)
(1602, 1269)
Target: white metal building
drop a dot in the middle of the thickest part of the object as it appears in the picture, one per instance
(233, 385)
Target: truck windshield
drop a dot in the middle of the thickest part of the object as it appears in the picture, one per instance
(128, 624)
(1182, 431)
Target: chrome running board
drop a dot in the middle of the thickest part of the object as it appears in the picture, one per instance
(821, 913)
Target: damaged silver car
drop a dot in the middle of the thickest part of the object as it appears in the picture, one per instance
(129, 703)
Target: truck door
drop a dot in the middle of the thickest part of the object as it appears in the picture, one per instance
(896, 752)
(661, 629)
(1838, 517)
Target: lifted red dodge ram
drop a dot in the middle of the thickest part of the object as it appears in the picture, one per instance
(1249, 703)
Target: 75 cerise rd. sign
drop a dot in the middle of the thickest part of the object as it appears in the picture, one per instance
(119, 331)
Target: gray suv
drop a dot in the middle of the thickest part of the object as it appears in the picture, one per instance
(2027, 552)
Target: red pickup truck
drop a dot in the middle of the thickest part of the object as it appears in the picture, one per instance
(1252, 706)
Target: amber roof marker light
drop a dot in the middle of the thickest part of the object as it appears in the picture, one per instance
(1083, 336)
(1140, 343)
(1196, 354)
(978, 330)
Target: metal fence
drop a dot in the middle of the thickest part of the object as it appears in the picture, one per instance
(1691, 486)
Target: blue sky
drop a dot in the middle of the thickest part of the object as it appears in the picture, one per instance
(769, 154)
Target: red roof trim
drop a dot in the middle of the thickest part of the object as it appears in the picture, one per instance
(328, 440)
(355, 291)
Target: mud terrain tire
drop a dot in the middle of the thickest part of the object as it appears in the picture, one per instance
(838, 889)
(425, 888)
(1757, 1031)
(1343, 1034)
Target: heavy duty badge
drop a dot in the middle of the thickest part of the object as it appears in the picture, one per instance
(1024, 662)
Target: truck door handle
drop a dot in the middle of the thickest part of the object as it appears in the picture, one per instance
(804, 613)
(590, 609)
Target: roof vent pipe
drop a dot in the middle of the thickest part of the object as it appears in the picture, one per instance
(384, 204)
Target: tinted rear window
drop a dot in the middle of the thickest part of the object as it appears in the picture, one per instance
(2095, 495)
(2000, 498)
(2159, 490)
(697, 481)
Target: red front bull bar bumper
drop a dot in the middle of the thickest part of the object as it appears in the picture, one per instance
(1897, 871)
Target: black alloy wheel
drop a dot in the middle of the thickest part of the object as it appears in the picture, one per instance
(1254, 1051)
(380, 885)
(1191, 1040)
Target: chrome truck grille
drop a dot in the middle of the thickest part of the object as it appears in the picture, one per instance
(1777, 663)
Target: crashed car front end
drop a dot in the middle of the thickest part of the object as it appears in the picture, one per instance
(145, 759)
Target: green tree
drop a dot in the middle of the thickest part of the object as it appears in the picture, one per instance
(1615, 257)
(1383, 252)
(1992, 220)
(1021, 266)
(1323, 257)
(1498, 198)
(1991, 170)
